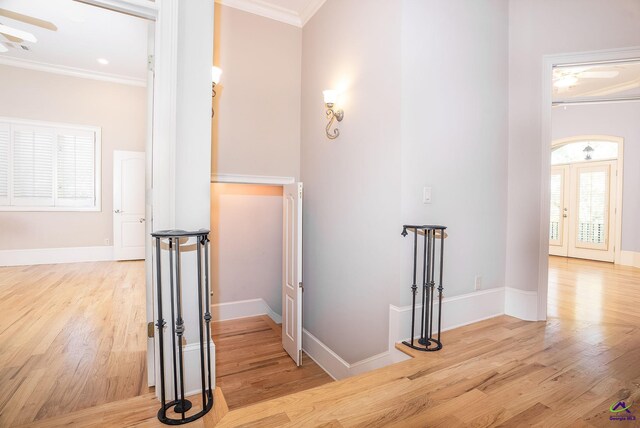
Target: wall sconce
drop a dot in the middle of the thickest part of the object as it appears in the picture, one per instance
(330, 98)
(216, 73)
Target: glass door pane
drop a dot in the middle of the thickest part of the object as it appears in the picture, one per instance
(555, 230)
(593, 207)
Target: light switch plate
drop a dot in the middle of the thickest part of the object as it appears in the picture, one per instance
(426, 195)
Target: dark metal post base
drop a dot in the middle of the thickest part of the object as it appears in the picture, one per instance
(183, 406)
(428, 345)
(162, 413)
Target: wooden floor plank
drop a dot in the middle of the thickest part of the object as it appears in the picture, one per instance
(252, 366)
(566, 371)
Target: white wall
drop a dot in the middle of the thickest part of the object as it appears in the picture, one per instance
(454, 135)
(246, 246)
(619, 120)
(419, 111)
(256, 129)
(120, 110)
(537, 28)
(351, 218)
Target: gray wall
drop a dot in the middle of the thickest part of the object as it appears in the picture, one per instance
(246, 246)
(537, 28)
(425, 105)
(351, 218)
(621, 120)
(454, 134)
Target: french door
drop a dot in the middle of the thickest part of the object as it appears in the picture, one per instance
(582, 220)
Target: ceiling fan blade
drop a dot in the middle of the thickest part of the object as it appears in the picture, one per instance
(28, 19)
(598, 74)
(12, 39)
(24, 35)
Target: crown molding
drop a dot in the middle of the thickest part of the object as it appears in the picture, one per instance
(312, 7)
(266, 10)
(71, 71)
(277, 13)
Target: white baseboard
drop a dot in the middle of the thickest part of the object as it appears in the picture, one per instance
(457, 311)
(45, 256)
(521, 304)
(243, 309)
(630, 258)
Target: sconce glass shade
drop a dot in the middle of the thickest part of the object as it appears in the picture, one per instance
(330, 96)
(216, 73)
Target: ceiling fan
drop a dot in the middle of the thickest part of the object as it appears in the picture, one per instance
(564, 77)
(15, 37)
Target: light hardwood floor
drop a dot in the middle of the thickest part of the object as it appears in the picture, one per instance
(71, 337)
(252, 366)
(499, 372)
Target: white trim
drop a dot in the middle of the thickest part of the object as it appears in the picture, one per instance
(310, 10)
(192, 380)
(71, 71)
(521, 304)
(243, 309)
(629, 258)
(266, 10)
(252, 179)
(549, 61)
(141, 8)
(458, 311)
(47, 256)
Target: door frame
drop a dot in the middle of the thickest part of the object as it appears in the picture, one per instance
(548, 62)
(617, 216)
(225, 178)
(161, 141)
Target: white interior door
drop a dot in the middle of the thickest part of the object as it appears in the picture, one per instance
(593, 198)
(292, 271)
(559, 215)
(128, 205)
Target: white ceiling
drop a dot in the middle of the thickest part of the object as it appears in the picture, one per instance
(85, 33)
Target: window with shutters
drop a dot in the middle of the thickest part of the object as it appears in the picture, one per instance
(49, 167)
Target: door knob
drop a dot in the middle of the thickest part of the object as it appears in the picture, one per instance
(564, 215)
(117, 211)
(142, 220)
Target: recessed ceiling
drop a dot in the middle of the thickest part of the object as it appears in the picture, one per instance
(84, 35)
(596, 81)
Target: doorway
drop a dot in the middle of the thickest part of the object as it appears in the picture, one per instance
(584, 202)
(256, 292)
(85, 98)
(588, 94)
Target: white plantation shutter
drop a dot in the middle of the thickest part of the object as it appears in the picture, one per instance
(5, 132)
(32, 168)
(76, 169)
(46, 166)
